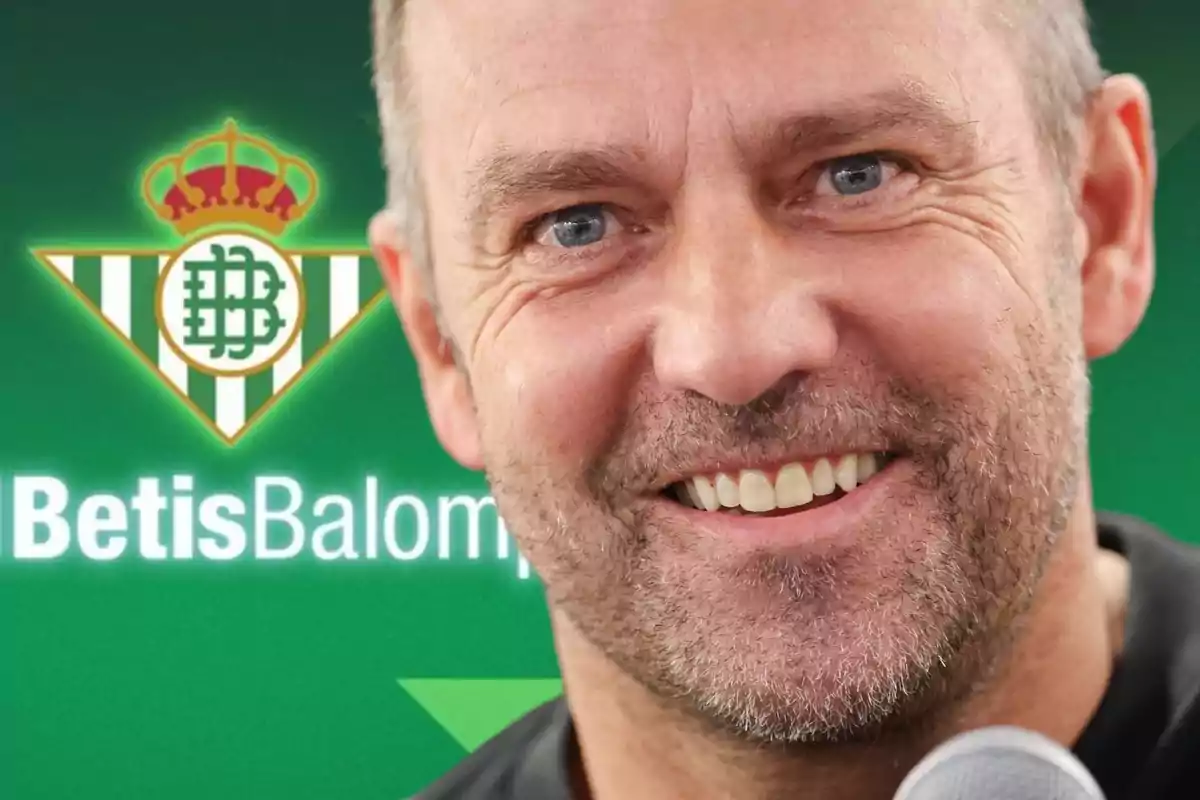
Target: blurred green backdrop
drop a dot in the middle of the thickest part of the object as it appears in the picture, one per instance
(255, 680)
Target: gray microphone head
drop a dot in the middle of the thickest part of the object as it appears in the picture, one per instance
(1000, 763)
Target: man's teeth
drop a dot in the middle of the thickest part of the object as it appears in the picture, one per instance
(792, 486)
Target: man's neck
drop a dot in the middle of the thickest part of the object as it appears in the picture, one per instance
(634, 747)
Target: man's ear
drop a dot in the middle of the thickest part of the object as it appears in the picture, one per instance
(1119, 179)
(444, 382)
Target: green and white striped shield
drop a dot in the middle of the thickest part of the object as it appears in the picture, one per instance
(146, 297)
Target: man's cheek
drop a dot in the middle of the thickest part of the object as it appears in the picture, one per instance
(555, 401)
(938, 315)
(562, 370)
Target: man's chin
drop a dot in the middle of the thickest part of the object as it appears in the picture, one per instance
(828, 664)
(843, 699)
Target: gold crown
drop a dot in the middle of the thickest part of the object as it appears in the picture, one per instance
(230, 192)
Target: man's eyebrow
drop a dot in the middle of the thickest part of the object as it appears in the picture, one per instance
(507, 177)
(909, 107)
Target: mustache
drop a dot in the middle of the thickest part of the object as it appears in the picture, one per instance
(667, 437)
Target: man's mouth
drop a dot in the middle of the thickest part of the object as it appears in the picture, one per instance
(787, 489)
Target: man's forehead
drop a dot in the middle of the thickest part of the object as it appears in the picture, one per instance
(526, 37)
(536, 74)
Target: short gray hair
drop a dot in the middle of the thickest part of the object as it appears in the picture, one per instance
(1050, 38)
(398, 128)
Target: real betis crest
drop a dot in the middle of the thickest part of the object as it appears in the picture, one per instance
(228, 319)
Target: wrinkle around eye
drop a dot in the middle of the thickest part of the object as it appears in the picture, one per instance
(489, 273)
(500, 306)
(880, 208)
(986, 220)
(505, 292)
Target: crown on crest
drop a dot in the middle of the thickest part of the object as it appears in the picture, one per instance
(230, 192)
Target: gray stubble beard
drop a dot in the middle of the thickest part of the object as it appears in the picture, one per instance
(845, 653)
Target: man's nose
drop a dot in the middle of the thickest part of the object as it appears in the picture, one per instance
(741, 310)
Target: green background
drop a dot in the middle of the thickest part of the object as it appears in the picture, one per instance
(253, 680)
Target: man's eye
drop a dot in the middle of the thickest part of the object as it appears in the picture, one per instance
(855, 175)
(577, 226)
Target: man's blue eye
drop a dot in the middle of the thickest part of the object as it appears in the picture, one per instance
(579, 226)
(856, 174)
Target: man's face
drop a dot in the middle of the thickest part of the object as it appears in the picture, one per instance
(804, 259)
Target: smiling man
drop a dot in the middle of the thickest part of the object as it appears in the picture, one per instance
(769, 322)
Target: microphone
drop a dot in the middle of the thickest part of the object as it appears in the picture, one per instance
(999, 763)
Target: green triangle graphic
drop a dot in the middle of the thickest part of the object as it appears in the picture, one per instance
(474, 710)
